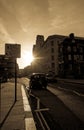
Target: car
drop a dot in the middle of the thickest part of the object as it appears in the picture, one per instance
(38, 80)
(51, 78)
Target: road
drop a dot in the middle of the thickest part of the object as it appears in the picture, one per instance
(65, 107)
(71, 98)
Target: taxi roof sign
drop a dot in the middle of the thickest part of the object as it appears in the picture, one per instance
(13, 50)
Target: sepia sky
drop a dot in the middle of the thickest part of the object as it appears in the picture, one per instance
(22, 20)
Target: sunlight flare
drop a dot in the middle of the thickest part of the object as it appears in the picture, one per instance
(26, 59)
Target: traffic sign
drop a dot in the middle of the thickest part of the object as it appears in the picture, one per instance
(13, 50)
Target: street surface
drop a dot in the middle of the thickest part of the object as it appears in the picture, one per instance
(72, 99)
(60, 107)
(66, 107)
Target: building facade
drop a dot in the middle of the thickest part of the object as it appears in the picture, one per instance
(46, 54)
(59, 55)
(36, 65)
(71, 57)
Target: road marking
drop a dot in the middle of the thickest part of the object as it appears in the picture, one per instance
(79, 94)
(29, 121)
(71, 103)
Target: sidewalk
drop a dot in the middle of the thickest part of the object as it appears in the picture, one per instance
(16, 116)
(12, 114)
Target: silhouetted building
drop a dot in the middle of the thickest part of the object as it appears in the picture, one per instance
(37, 52)
(59, 55)
(71, 57)
(46, 54)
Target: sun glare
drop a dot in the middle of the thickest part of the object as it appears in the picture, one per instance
(26, 59)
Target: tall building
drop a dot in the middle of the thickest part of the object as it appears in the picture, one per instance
(46, 54)
(37, 53)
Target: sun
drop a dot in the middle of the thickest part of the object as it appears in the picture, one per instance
(26, 59)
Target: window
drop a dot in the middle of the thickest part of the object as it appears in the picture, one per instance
(52, 43)
(60, 49)
(74, 49)
(53, 65)
(52, 50)
(76, 57)
(69, 57)
(70, 67)
(52, 57)
(81, 49)
(81, 57)
(58, 42)
(69, 49)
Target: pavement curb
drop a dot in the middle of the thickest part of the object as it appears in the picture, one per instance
(29, 121)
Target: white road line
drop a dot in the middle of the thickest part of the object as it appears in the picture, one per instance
(72, 103)
(29, 121)
(79, 94)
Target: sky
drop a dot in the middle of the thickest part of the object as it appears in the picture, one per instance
(22, 20)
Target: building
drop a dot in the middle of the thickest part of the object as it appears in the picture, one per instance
(71, 57)
(46, 54)
(59, 55)
(37, 53)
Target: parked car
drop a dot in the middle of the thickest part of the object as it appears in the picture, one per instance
(38, 80)
(51, 78)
